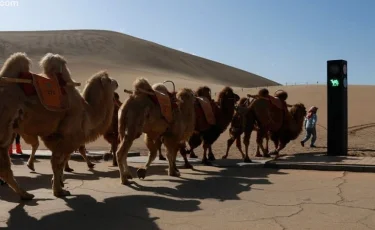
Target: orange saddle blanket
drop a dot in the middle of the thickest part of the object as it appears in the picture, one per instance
(207, 110)
(49, 92)
(165, 105)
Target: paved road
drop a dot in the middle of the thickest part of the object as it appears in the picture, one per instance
(206, 198)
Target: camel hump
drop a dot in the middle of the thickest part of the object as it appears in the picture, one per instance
(207, 110)
(281, 94)
(142, 86)
(263, 92)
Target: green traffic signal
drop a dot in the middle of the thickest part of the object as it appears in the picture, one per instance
(334, 82)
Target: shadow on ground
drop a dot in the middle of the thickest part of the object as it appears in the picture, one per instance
(184, 195)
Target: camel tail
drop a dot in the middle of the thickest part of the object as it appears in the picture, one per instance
(142, 86)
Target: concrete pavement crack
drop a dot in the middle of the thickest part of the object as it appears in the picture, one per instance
(273, 217)
(360, 221)
(339, 187)
(278, 223)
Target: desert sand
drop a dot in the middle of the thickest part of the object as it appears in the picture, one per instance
(127, 57)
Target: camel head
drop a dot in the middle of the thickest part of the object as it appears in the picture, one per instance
(186, 95)
(203, 91)
(298, 111)
(100, 85)
(227, 96)
(55, 64)
(15, 64)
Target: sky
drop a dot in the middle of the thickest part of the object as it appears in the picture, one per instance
(288, 41)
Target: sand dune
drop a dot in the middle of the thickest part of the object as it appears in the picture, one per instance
(90, 49)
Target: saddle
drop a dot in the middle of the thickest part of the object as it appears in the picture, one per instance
(48, 88)
(167, 104)
(208, 112)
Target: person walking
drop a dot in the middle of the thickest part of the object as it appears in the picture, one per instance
(310, 126)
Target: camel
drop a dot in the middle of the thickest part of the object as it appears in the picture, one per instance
(272, 116)
(223, 110)
(236, 129)
(64, 123)
(157, 113)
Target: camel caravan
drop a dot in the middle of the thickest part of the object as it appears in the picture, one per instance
(49, 107)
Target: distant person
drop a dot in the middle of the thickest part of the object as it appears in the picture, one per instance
(310, 126)
(18, 146)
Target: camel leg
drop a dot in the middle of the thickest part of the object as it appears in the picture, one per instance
(194, 141)
(260, 137)
(211, 155)
(34, 142)
(57, 161)
(122, 155)
(6, 174)
(172, 145)
(82, 151)
(114, 146)
(230, 142)
(153, 151)
(246, 141)
(239, 146)
(276, 142)
(159, 144)
(184, 153)
(266, 149)
(67, 168)
(161, 157)
(280, 147)
(204, 159)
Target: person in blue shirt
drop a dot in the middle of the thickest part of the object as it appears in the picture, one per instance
(310, 126)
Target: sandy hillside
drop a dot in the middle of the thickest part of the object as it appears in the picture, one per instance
(126, 58)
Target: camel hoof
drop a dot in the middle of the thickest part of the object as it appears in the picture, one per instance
(247, 160)
(61, 193)
(211, 157)
(174, 174)
(31, 167)
(27, 196)
(124, 180)
(224, 157)
(68, 170)
(114, 164)
(162, 158)
(188, 166)
(141, 173)
(106, 156)
(91, 165)
(267, 155)
(258, 155)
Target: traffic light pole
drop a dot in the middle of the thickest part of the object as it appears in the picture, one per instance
(337, 107)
